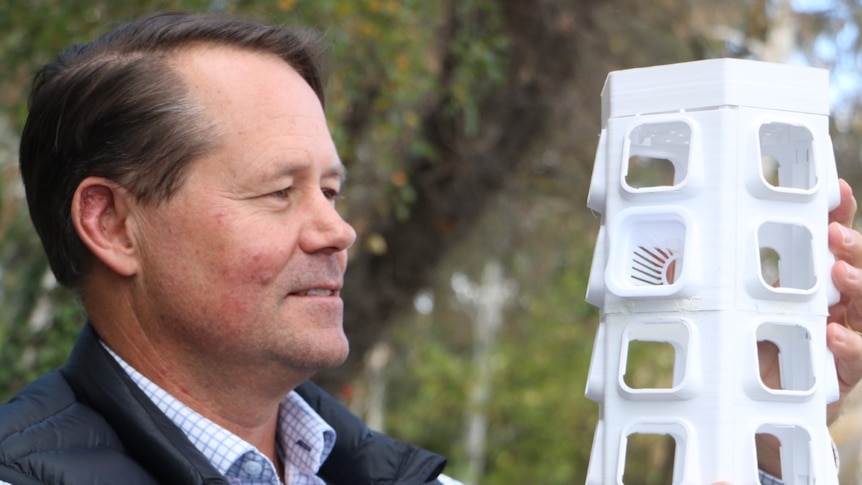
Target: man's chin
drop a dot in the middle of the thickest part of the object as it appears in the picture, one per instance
(342, 358)
(332, 357)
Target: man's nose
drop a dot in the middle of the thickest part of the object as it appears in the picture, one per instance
(325, 229)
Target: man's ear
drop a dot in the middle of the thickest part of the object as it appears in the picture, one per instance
(101, 214)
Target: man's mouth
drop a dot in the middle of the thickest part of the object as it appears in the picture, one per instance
(317, 292)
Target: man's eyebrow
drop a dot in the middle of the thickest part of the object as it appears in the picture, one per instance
(337, 170)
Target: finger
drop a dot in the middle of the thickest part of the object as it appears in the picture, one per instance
(846, 346)
(846, 210)
(848, 281)
(845, 243)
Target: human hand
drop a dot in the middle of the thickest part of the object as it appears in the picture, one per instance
(845, 317)
(843, 326)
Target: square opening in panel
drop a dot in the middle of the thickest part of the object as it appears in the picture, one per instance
(654, 360)
(650, 365)
(794, 454)
(650, 459)
(794, 373)
(658, 155)
(786, 258)
(653, 453)
(648, 252)
(786, 157)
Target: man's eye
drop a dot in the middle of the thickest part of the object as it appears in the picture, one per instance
(331, 194)
(281, 194)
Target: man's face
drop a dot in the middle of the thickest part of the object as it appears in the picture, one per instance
(245, 263)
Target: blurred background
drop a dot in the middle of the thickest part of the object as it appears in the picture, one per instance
(469, 129)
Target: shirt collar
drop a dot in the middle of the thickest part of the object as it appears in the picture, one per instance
(305, 439)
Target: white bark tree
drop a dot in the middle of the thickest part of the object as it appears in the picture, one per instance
(486, 302)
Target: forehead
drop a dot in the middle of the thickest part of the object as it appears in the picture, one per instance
(227, 80)
(260, 106)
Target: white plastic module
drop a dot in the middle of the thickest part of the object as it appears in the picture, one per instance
(714, 180)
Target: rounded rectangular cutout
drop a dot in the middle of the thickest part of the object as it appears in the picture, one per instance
(795, 451)
(649, 459)
(653, 453)
(650, 365)
(795, 369)
(786, 257)
(787, 157)
(658, 156)
(647, 254)
(655, 361)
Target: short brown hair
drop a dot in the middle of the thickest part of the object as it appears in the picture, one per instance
(115, 108)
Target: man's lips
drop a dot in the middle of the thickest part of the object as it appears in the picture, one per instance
(316, 292)
(318, 288)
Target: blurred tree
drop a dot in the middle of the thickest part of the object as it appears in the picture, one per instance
(541, 428)
(469, 128)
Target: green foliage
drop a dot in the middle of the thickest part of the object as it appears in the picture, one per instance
(39, 325)
(393, 64)
(33, 34)
(540, 425)
(382, 75)
(432, 397)
(480, 52)
(390, 66)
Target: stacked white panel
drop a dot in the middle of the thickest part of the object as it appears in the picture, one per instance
(714, 180)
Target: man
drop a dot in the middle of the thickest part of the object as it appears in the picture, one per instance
(182, 178)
